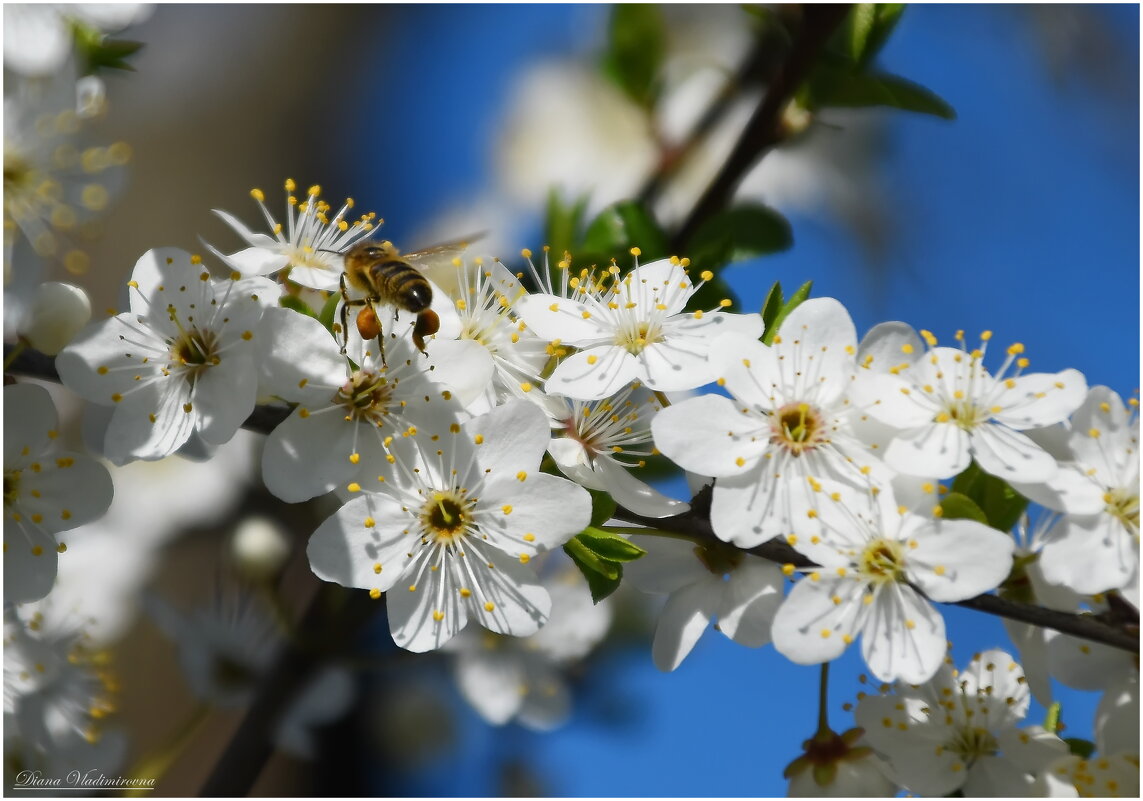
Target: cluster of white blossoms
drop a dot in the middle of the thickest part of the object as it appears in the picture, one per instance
(458, 465)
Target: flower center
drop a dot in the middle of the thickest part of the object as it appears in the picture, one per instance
(11, 486)
(637, 336)
(446, 518)
(882, 562)
(964, 413)
(307, 256)
(972, 742)
(798, 427)
(718, 558)
(366, 396)
(1123, 505)
(230, 674)
(17, 174)
(195, 350)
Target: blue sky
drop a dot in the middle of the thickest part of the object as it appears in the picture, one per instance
(1022, 217)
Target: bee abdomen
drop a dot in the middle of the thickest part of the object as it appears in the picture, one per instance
(406, 287)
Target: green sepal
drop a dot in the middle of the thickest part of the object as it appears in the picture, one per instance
(603, 576)
(737, 234)
(564, 222)
(1002, 505)
(609, 546)
(955, 506)
(794, 302)
(328, 311)
(97, 52)
(602, 507)
(857, 90)
(636, 47)
(622, 226)
(1080, 747)
(297, 304)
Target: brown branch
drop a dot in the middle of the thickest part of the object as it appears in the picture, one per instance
(695, 524)
(1115, 631)
(765, 130)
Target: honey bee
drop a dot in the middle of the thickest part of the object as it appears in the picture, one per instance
(387, 277)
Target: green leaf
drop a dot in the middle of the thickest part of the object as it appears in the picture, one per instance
(636, 47)
(867, 29)
(603, 577)
(955, 506)
(772, 305)
(794, 302)
(738, 234)
(297, 304)
(1081, 748)
(625, 225)
(881, 89)
(1002, 505)
(328, 311)
(562, 227)
(602, 507)
(609, 546)
(587, 558)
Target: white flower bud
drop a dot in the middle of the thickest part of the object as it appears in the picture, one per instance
(58, 312)
(90, 96)
(260, 548)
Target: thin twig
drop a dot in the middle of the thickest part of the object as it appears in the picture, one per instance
(765, 130)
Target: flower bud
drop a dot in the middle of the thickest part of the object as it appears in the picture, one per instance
(260, 548)
(57, 314)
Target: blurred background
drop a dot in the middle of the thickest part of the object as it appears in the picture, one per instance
(1021, 216)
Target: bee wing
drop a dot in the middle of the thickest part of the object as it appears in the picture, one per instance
(438, 263)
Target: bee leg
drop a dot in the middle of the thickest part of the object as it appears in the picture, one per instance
(344, 315)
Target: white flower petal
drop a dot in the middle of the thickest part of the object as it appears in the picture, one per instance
(1010, 455)
(668, 565)
(514, 437)
(818, 619)
(551, 317)
(935, 449)
(425, 616)
(682, 621)
(958, 559)
(1090, 554)
(708, 435)
(635, 495)
(544, 512)
(345, 550)
(595, 372)
(493, 682)
(903, 636)
(520, 603)
(1041, 399)
(749, 601)
(888, 345)
(30, 562)
(29, 414)
(892, 400)
(308, 455)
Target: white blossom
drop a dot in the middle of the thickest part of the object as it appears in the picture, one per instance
(57, 314)
(38, 37)
(1072, 776)
(510, 678)
(838, 766)
(310, 244)
(787, 418)
(181, 362)
(961, 731)
(599, 443)
(345, 417)
(705, 584)
(1094, 544)
(46, 491)
(949, 410)
(872, 555)
(226, 650)
(630, 328)
(448, 537)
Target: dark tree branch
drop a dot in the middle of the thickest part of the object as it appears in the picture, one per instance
(695, 524)
(765, 129)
